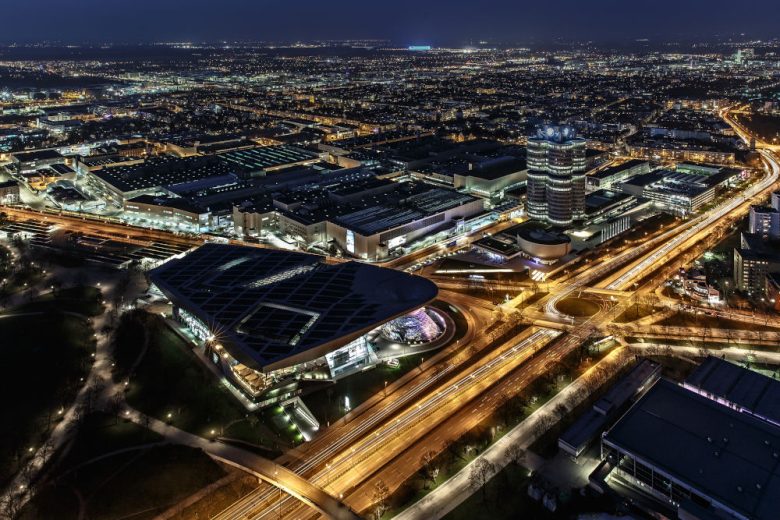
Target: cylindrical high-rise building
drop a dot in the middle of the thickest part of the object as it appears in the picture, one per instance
(556, 176)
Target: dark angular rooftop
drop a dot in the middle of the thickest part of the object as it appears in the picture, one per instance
(272, 308)
(755, 393)
(730, 456)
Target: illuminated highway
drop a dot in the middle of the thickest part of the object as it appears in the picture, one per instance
(342, 465)
(703, 225)
(457, 388)
(345, 469)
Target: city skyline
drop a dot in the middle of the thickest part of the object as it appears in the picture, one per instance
(389, 261)
(437, 22)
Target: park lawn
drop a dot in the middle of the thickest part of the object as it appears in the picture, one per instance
(102, 433)
(5, 261)
(505, 497)
(45, 358)
(170, 379)
(635, 312)
(84, 300)
(138, 484)
(579, 307)
(20, 280)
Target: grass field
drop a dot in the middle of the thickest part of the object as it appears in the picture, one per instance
(101, 433)
(81, 300)
(505, 497)
(328, 404)
(578, 307)
(45, 358)
(137, 484)
(685, 319)
(635, 312)
(171, 380)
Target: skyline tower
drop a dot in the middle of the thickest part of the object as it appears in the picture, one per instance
(556, 176)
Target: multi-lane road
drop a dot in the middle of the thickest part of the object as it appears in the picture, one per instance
(429, 415)
(460, 386)
(366, 446)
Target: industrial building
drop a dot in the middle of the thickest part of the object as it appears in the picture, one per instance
(738, 388)
(33, 160)
(679, 191)
(374, 232)
(170, 212)
(581, 434)
(269, 158)
(694, 455)
(273, 319)
(121, 183)
(606, 178)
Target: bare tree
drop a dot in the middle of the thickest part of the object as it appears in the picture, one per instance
(381, 492)
(480, 474)
(560, 410)
(516, 454)
(429, 467)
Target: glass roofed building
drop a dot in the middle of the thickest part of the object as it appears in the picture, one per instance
(272, 318)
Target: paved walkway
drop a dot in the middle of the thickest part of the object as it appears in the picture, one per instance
(260, 467)
(100, 379)
(457, 489)
(100, 388)
(17, 493)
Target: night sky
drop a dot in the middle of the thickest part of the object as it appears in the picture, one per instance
(402, 21)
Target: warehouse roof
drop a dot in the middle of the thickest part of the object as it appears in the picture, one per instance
(729, 456)
(754, 392)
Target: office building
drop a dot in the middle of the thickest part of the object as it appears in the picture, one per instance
(764, 221)
(680, 191)
(556, 176)
(753, 261)
(9, 192)
(751, 268)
